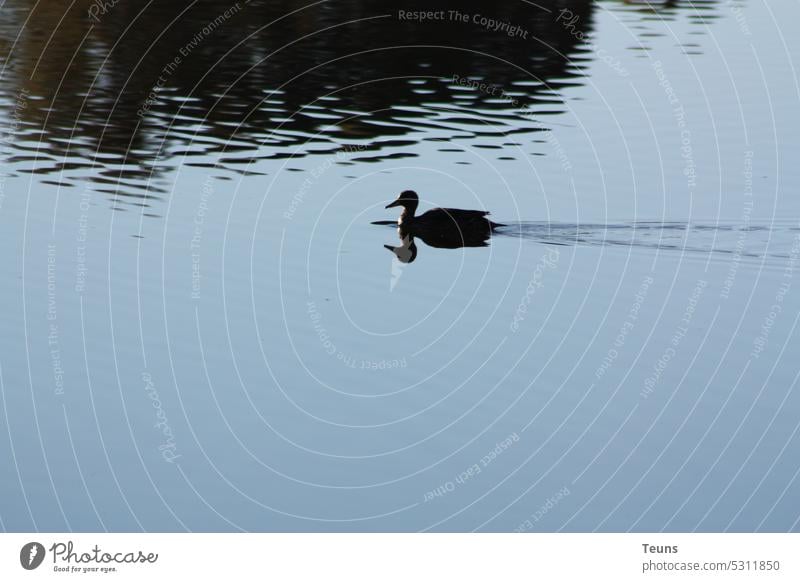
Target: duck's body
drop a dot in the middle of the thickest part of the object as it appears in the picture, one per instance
(444, 227)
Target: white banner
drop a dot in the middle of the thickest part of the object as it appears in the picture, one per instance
(401, 557)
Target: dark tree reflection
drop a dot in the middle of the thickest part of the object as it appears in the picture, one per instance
(130, 86)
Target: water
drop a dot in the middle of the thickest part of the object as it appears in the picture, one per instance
(203, 330)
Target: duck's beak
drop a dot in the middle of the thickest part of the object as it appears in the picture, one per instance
(393, 204)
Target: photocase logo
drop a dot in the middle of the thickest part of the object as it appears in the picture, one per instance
(31, 555)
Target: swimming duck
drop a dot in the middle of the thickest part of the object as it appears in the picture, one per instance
(443, 227)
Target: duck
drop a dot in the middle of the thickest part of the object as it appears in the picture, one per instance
(443, 227)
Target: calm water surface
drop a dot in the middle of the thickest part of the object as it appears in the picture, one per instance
(203, 330)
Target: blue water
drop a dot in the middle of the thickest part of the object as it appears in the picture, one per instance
(203, 330)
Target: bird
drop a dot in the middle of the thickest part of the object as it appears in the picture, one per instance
(443, 227)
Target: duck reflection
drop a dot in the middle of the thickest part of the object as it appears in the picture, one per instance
(407, 251)
(444, 228)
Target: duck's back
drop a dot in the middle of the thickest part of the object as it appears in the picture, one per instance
(453, 227)
(443, 216)
(462, 214)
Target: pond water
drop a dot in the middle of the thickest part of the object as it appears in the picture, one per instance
(203, 330)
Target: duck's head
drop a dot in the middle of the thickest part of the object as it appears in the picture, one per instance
(408, 199)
